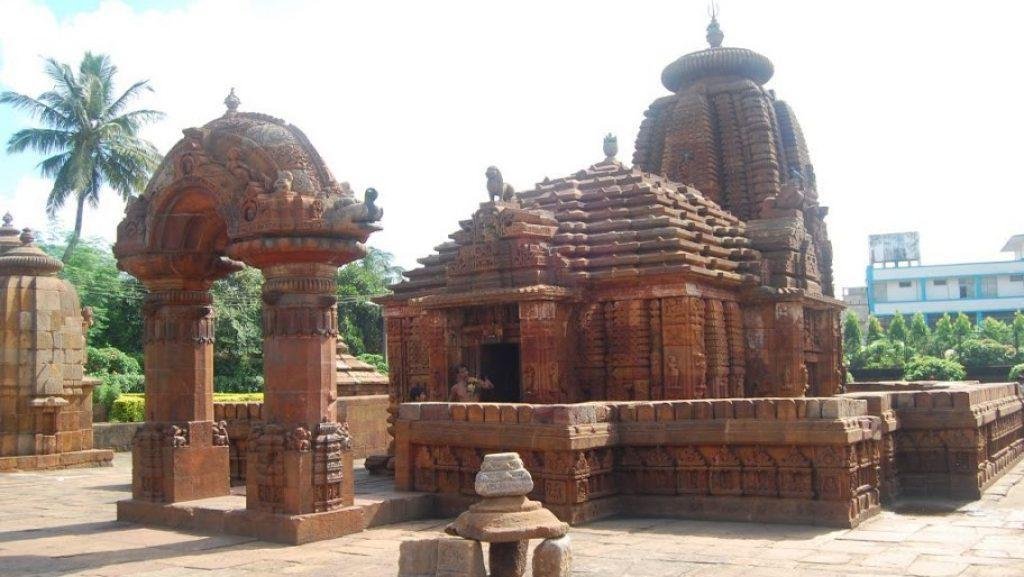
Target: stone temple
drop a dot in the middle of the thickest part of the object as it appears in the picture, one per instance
(662, 339)
(703, 271)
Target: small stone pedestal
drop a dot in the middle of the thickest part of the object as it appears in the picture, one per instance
(505, 519)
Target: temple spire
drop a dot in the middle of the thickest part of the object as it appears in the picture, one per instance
(714, 35)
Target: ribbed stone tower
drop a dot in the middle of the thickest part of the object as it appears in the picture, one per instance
(722, 132)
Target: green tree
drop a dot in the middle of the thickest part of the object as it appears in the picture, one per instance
(919, 334)
(1018, 331)
(359, 319)
(238, 348)
(881, 354)
(943, 338)
(89, 138)
(996, 330)
(898, 329)
(934, 369)
(875, 330)
(962, 328)
(975, 352)
(114, 297)
(852, 335)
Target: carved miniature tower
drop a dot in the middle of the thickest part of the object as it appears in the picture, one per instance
(45, 401)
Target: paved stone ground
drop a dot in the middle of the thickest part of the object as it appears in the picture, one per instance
(62, 523)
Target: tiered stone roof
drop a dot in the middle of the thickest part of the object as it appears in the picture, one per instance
(356, 377)
(610, 221)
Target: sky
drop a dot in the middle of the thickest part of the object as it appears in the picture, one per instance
(912, 110)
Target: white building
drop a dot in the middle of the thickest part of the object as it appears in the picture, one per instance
(980, 289)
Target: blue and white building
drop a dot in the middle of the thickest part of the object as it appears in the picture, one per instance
(981, 289)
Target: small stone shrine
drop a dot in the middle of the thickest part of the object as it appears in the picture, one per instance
(505, 519)
(45, 399)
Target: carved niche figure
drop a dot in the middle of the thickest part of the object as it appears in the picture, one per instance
(496, 187)
(299, 439)
(283, 184)
(220, 434)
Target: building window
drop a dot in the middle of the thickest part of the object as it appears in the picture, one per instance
(939, 282)
(1017, 278)
(881, 292)
(967, 288)
(988, 287)
(905, 284)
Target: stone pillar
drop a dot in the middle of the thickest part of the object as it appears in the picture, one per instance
(300, 458)
(543, 331)
(175, 456)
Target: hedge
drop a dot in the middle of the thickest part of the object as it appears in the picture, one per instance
(131, 407)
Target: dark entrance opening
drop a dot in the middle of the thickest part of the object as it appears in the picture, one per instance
(500, 363)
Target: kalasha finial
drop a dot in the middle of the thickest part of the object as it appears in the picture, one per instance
(232, 101)
(27, 236)
(715, 35)
(8, 219)
(611, 146)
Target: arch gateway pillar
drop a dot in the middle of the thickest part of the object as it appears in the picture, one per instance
(246, 189)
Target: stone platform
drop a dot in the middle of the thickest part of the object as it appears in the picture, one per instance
(376, 503)
(62, 523)
(71, 459)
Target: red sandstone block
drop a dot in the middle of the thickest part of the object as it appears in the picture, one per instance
(459, 412)
(764, 409)
(645, 413)
(524, 414)
(627, 413)
(722, 409)
(474, 413)
(508, 414)
(492, 413)
(573, 414)
(702, 410)
(923, 400)
(961, 399)
(604, 413)
(744, 409)
(410, 411)
(542, 414)
(218, 411)
(785, 409)
(664, 412)
(684, 410)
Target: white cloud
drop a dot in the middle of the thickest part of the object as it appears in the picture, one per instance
(27, 204)
(909, 108)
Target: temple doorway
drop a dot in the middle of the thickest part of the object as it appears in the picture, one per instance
(500, 363)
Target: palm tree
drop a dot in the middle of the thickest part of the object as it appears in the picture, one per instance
(89, 138)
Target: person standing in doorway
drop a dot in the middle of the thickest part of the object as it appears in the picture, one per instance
(467, 388)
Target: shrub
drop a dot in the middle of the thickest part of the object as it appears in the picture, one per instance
(128, 408)
(934, 369)
(849, 378)
(110, 361)
(880, 354)
(984, 353)
(1017, 372)
(238, 383)
(377, 361)
(237, 397)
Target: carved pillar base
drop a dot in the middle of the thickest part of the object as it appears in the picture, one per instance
(283, 465)
(174, 462)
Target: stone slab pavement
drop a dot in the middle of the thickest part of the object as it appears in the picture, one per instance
(63, 523)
